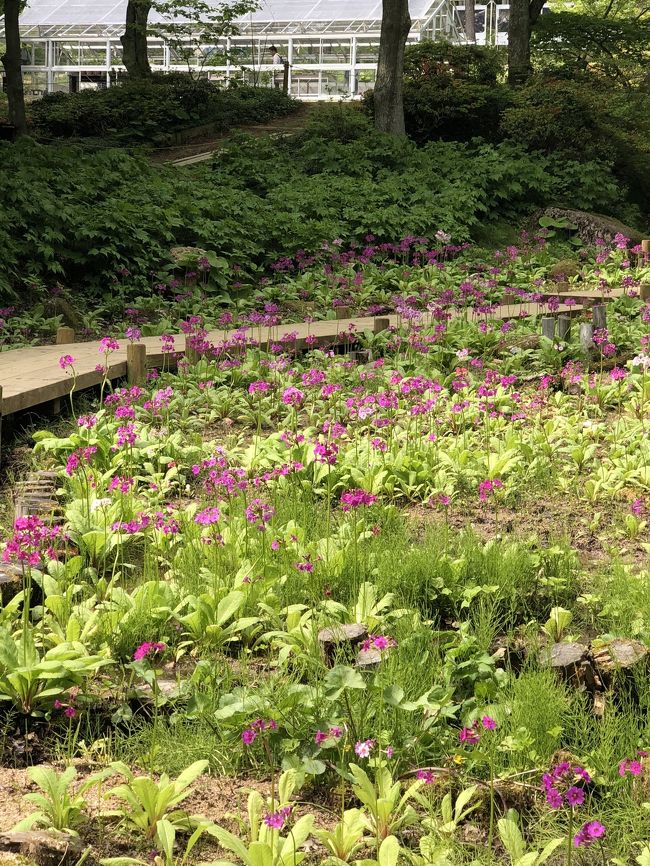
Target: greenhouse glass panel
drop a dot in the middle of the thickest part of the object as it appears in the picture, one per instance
(306, 51)
(335, 52)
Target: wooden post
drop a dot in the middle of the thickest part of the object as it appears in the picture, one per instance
(586, 336)
(191, 354)
(548, 327)
(285, 77)
(645, 291)
(0, 425)
(342, 313)
(136, 363)
(599, 315)
(563, 327)
(380, 324)
(64, 336)
(645, 246)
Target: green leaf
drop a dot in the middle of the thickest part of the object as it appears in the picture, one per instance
(339, 679)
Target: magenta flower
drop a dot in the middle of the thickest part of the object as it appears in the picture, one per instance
(320, 737)
(66, 361)
(488, 486)
(426, 776)
(292, 396)
(259, 387)
(379, 642)
(488, 723)
(70, 712)
(277, 820)
(554, 798)
(638, 507)
(108, 344)
(355, 499)
(207, 516)
(631, 766)
(587, 833)
(469, 735)
(259, 513)
(248, 736)
(575, 796)
(147, 648)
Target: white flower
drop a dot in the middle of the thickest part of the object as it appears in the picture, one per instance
(101, 503)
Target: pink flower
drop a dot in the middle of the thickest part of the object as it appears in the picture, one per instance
(355, 499)
(146, 649)
(488, 723)
(248, 736)
(70, 712)
(469, 735)
(276, 820)
(292, 396)
(320, 737)
(554, 798)
(637, 507)
(588, 832)
(363, 748)
(631, 766)
(108, 344)
(207, 516)
(488, 486)
(426, 776)
(66, 361)
(575, 796)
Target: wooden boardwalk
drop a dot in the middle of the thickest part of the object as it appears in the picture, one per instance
(31, 377)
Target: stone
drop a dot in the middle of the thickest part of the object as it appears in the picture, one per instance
(11, 582)
(594, 226)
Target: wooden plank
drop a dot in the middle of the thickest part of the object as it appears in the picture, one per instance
(32, 376)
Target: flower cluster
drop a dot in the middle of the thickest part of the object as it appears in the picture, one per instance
(147, 648)
(277, 820)
(562, 785)
(378, 642)
(334, 733)
(589, 832)
(355, 499)
(31, 540)
(250, 734)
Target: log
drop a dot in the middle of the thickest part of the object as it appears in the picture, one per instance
(380, 324)
(586, 336)
(64, 335)
(136, 363)
(45, 849)
(599, 316)
(548, 327)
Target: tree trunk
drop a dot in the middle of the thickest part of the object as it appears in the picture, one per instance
(11, 60)
(470, 20)
(522, 18)
(389, 86)
(134, 39)
(519, 65)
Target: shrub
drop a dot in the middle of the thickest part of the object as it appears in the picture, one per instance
(586, 119)
(451, 92)
(149, 111)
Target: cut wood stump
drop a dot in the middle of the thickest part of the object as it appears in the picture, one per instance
(620, 654)
(11, 582)
(45, 849)
(340, 638)
(368, 658)
(566, 659)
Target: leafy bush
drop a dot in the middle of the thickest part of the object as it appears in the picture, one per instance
(614, 48)
(427, 60)
(149, 111)
(585, 119)
(80, 218)
(451, 92)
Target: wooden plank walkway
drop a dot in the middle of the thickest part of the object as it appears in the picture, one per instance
(32, 376)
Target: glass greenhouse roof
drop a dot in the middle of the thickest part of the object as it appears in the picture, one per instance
(106, 17)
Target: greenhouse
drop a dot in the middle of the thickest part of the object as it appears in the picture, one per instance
(331, 46)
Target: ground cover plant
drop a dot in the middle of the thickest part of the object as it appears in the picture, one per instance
(86, 220)
(347, 579)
